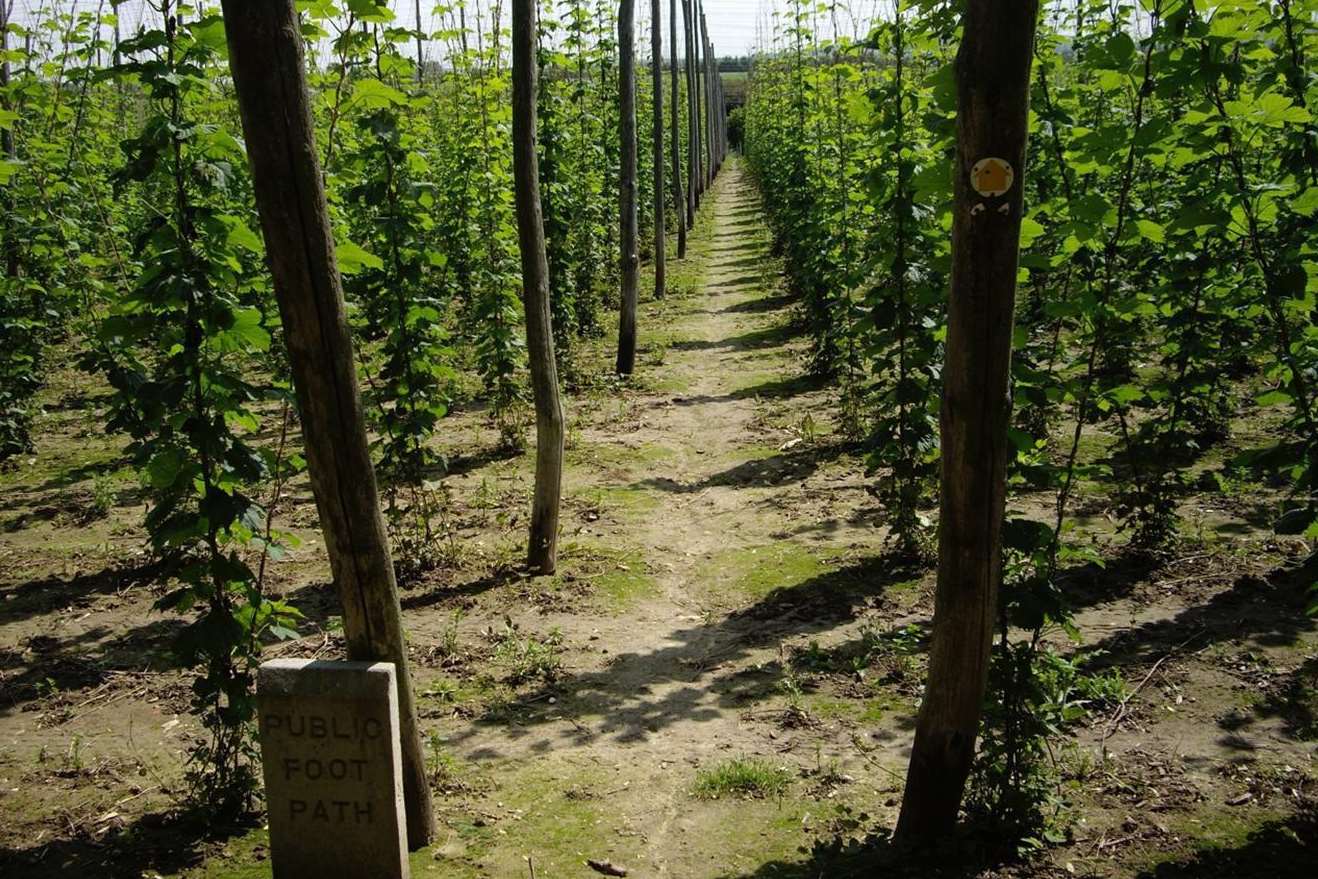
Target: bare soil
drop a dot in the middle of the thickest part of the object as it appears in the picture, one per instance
(723, 562)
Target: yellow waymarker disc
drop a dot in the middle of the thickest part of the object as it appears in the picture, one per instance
(992, 176)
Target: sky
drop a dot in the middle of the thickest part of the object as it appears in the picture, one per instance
(733, 24)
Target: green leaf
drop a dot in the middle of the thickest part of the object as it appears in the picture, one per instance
(1151, 231)
(370, 11)
(1272, 398)
(1120, 48)
(353, 259)
(209, 32)
(1306, 205)
(245, 334)
(241, 236)
(1030, 230)
(164, 467)
(371, 94)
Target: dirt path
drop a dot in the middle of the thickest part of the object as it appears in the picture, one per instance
(745, 524)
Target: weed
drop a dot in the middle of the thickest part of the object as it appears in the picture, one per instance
(795, 714)
(527, 658)
(443, 768)
(72, 761)
(448, 639)
(103, 497)
(746, 777)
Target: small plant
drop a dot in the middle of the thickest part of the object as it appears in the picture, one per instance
(443, 690)
(528, 658)
(795, 714)
(448, 639)
(746, 777)
(809, 430)
(443, 769)
(72, 760)
(103, 497)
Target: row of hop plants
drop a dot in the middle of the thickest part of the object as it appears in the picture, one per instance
(128, 239)
(1166, 296)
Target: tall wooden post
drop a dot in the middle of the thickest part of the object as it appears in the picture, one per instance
(679, 197)
(420, 58)
(708, 156)
(992, 76)
(657, 138)
(9, 243)
(265, 55)
(630, 255)
(542, 556)
(695, 176)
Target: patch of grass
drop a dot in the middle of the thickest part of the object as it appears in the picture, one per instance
(622, 499)
(747, 777)
(1207, 831)
(875, 710)
(759, 570)
(672, 384)
(618, 455)
(619, 576)
(528, 658)
(554, 815)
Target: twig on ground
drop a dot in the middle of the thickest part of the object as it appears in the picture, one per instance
(1121, 709)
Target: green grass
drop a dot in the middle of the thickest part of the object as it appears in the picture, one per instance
(747, 777)
(760, 570)
(618, 574)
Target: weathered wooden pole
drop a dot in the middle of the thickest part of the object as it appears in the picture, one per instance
(630, 254)
(695, 175)
(266, 57)
(542, 556)
(657, 138)
(420, 58)
(9, 244)
(992, 78)
(679, 197)
(707, 157)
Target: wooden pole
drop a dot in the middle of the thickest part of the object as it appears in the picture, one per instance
(9, 245)
(542, 557)
(679, 197)
(695, 176)
(631, 259)
(420, 69)
(657, 138)
(993, 76)
(265, 56)
(708, 155)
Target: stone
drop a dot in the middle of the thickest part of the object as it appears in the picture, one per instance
(333, 769)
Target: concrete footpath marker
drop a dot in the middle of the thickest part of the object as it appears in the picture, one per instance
(333, 769)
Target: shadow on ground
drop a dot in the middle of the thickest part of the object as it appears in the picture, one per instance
(1285, 848)
(640, 693)
(155, 844)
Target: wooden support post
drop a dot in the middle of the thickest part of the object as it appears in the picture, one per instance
(707, 157)
(679, 197)
(542, 556)
(695, 175)
(266, 57)
(992, 76)
(657, 139)
(9, 245)
(420, 70)
(630, 254)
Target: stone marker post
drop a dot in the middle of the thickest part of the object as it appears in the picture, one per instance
(333, 769)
